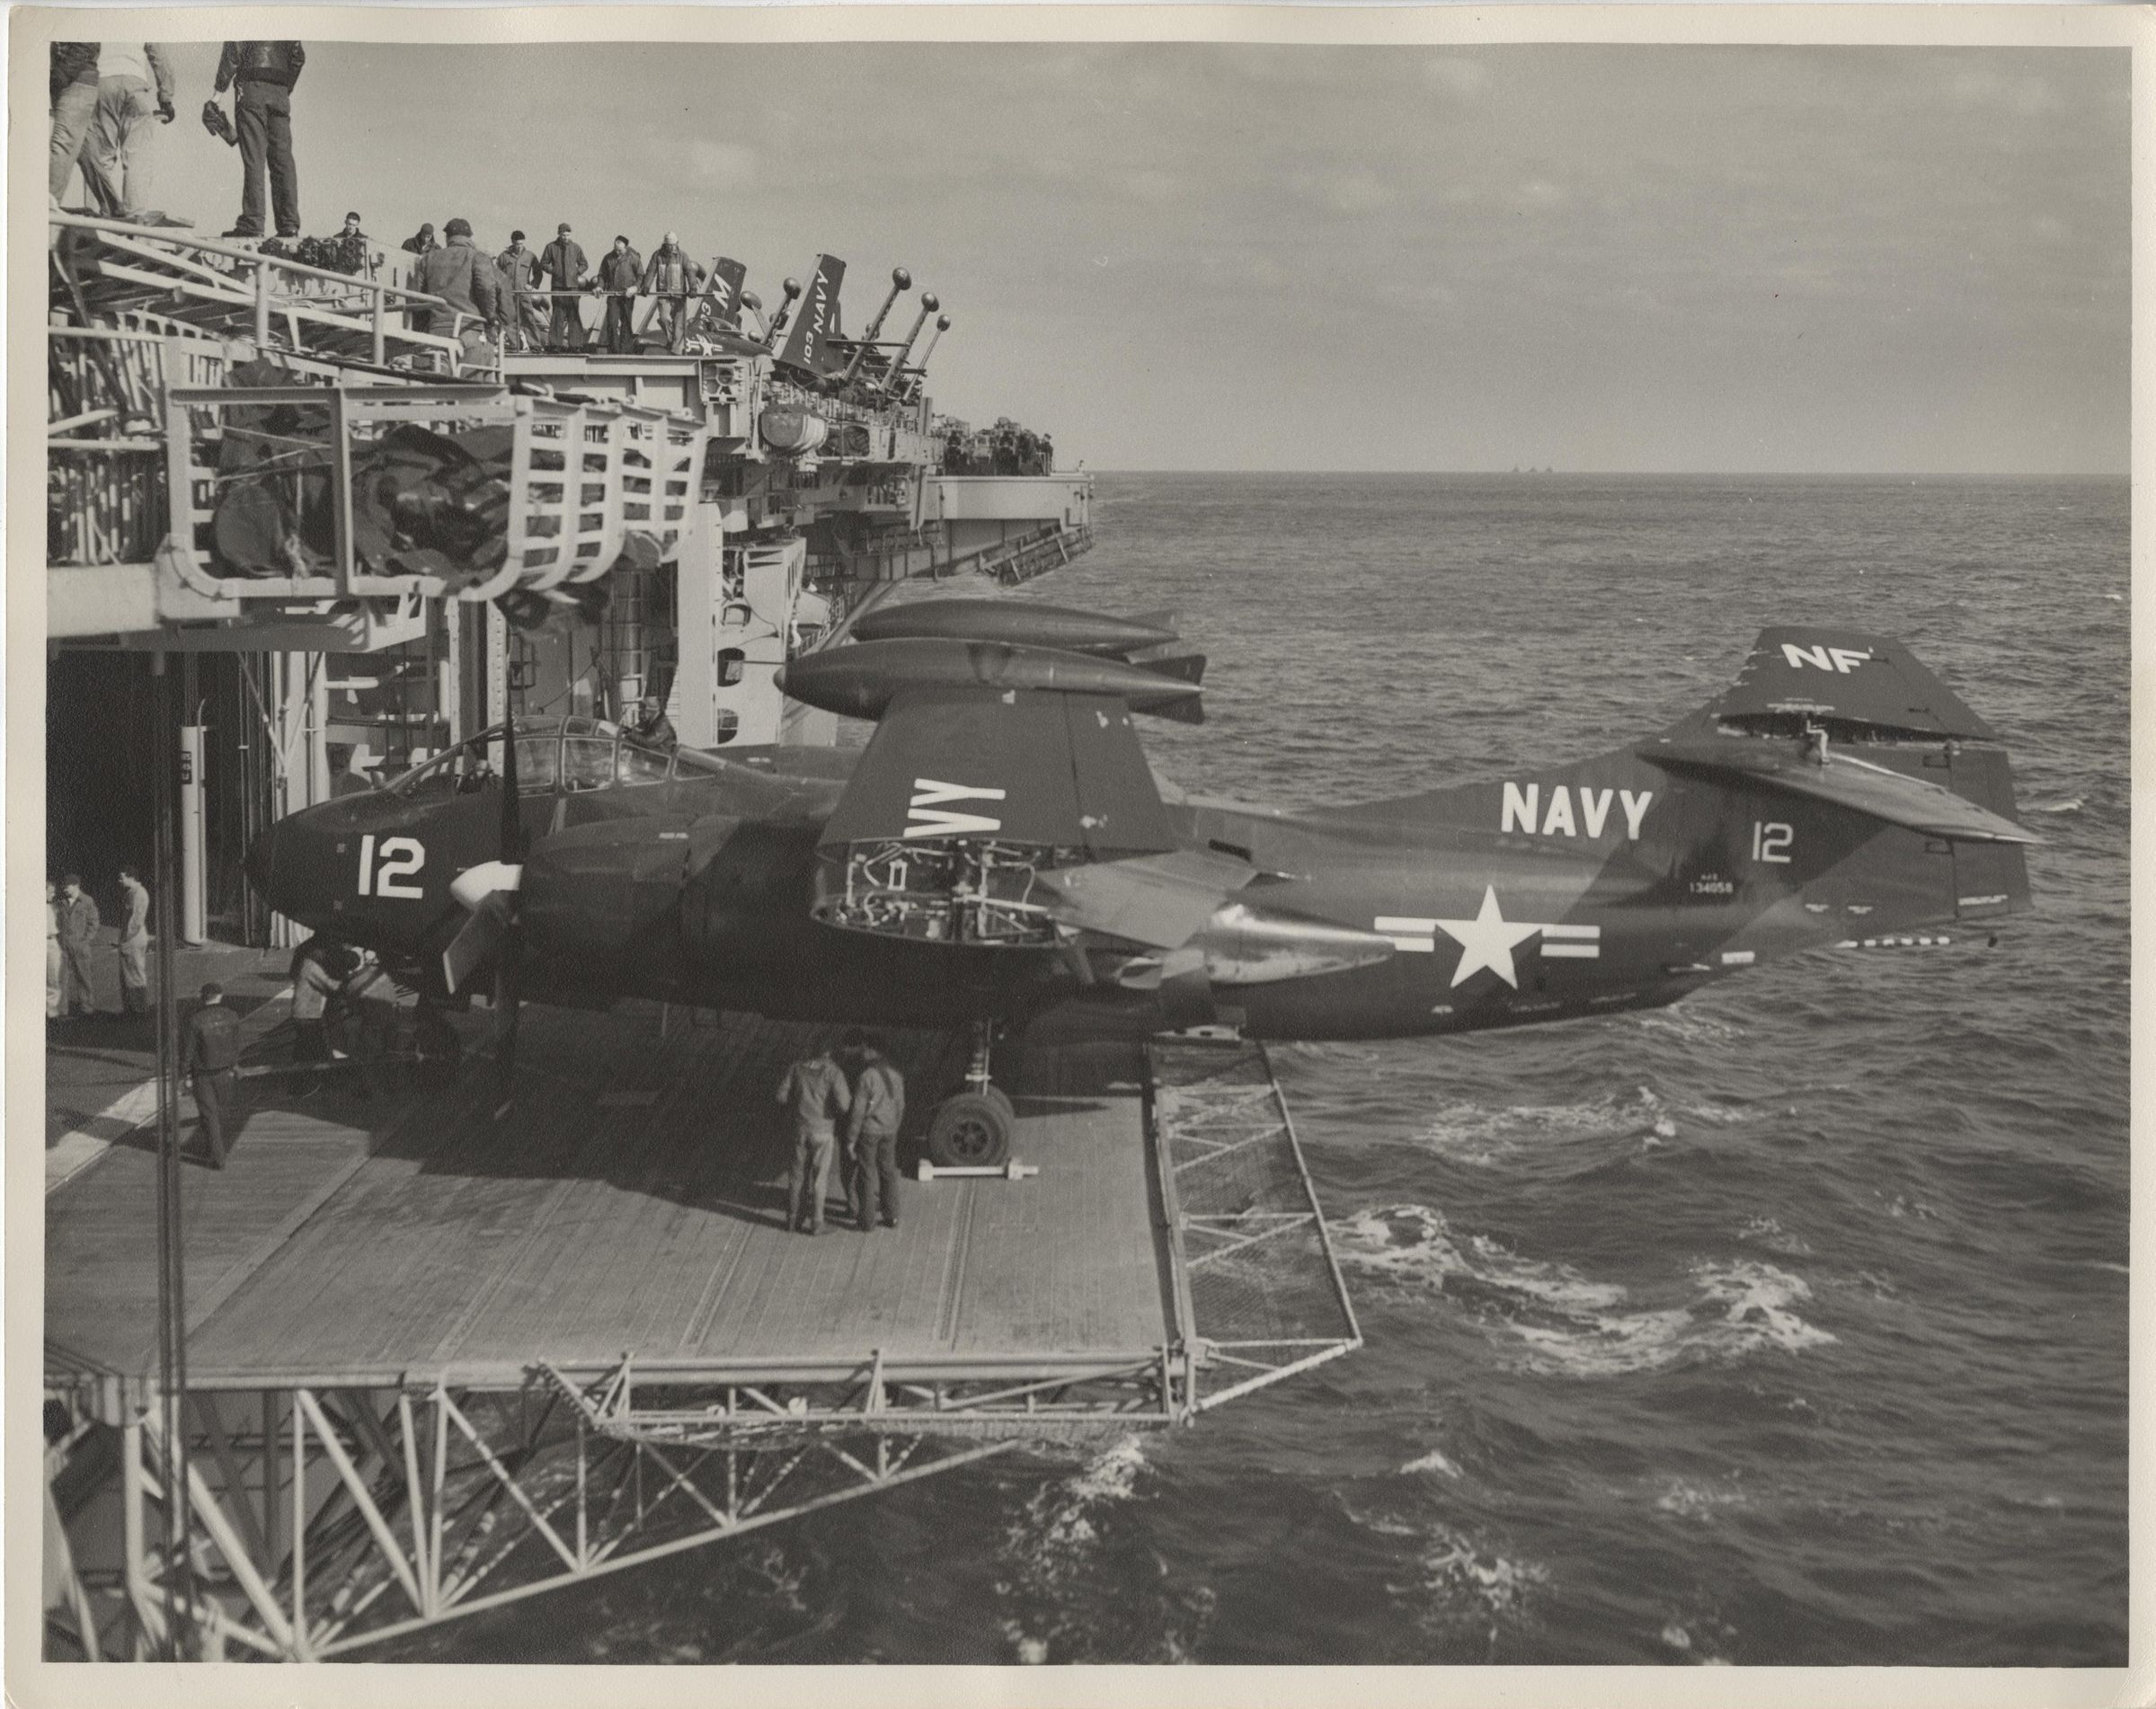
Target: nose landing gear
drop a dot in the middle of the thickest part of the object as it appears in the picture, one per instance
(973, 1126)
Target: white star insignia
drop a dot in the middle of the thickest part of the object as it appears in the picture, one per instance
(1488, 941)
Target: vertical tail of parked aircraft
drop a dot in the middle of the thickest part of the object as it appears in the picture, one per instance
(1839, 789)
(817, 319)
(724, 288)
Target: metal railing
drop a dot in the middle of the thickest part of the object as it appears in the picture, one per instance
(267, 296)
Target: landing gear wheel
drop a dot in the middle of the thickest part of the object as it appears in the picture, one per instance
(971, 1130)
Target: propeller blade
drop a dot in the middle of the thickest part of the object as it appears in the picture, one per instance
(479, 943)
(505, 1024)
(512, 822)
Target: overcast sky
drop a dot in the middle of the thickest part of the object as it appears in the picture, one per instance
(1216, 258)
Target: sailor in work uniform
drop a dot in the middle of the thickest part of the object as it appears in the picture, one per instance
(134, 945)
(78, 925)
(815, 1095)
(872, 1132)
(212, 1053)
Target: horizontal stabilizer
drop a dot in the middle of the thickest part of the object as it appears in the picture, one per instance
(1796, 673)
(1858, 784)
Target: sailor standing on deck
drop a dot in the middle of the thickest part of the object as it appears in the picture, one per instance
(74, 83)
(134, 94)
(261, 75)
(212, 1053)
(814, 1094)
(78, 925)
(872, 1131)
(620, 273)
(673, 279)
(464, 279)
(562, 268)
(134, 944)
(515, 265)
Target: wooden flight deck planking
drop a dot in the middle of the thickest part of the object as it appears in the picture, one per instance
(593, 1223)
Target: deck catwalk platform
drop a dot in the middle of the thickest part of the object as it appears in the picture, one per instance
(590, 1319)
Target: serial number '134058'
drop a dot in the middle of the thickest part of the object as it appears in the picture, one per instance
(400, 859)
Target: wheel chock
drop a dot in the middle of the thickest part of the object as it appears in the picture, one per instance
(997, 1171)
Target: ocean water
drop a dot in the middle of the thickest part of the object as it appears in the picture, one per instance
(1785, 1326)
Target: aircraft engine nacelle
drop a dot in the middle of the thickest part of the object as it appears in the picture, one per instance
(1014, 623)
(861, 681)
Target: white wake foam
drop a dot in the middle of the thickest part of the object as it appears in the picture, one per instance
(1479, 1134)
(1567, 1324)
(1050, 1554)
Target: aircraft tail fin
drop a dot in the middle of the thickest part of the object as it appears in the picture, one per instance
(816, 319)
(1839, 791)
(725, 287)
(1799, 676)
(1840, 775)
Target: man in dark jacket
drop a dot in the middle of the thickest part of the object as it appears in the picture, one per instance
(652, 725)
(620, 273)
(212, 1054)
(464, 279)
(520, 309)
(347, 251)
(562, 268)
(421, 242)
(264, 73)
(74, 107)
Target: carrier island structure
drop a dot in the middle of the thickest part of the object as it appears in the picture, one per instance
(402, 1360)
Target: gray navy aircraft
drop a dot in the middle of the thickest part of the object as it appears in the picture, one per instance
(1001, 849)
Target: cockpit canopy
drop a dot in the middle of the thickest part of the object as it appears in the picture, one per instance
(555, 754)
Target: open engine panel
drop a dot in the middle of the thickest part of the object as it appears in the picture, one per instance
(942, 889)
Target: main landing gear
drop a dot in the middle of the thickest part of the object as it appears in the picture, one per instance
(973, 1126)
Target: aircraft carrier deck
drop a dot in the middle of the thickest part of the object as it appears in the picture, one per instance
(511, 1355)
